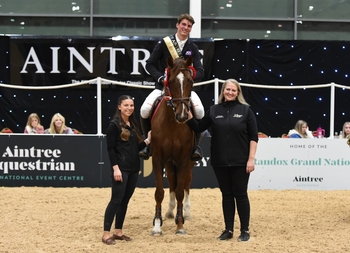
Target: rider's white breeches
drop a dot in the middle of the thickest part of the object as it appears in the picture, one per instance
(148, 103)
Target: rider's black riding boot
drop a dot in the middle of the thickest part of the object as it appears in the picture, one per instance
(197, 151)
(146, 127)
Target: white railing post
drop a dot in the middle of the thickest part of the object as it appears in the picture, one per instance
(195, 11)
(332, 111)
(99, 107)
(216, 91)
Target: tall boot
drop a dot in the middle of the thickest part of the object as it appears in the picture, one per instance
(146, 127)
(197, 151)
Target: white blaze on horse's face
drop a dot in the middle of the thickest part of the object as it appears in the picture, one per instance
(181, 78)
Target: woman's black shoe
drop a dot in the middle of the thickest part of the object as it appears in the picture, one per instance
(244, 237)
(226, 234)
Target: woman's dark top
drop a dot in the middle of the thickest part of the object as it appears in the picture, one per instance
(233, 126)
(125, 154)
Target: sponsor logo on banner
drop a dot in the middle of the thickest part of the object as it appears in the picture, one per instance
(17, 160)
(301, 164)
(78, 60)
(147, 166)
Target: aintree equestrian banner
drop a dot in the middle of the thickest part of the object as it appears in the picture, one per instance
(74, 161)
(50, 160)
(52, 61)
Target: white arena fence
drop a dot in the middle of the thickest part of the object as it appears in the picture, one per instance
(101, 81)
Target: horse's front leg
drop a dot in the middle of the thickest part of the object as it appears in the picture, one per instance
(179, 219)
(183, 196)
(157, 221)
(159, 196)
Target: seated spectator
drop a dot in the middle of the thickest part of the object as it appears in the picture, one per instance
(58, 125)
(301, 130)
(6, 130)
(33, 125)
(76, 131)
(346, 131)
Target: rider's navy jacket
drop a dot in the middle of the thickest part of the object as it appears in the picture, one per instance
(156, 63)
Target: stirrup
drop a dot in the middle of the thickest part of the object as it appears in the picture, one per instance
(144, 153)
(196, 154)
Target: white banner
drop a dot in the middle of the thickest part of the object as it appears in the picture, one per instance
(305, 164)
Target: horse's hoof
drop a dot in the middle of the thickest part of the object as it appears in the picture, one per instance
(188, 217)
(181, 232)
(169, 215)
(155, 233)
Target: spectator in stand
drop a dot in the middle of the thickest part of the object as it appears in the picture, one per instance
(301, 130)
(33, 125)
(346, 131)
(6, 130)
(58, 125)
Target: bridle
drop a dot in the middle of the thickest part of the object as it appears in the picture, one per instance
(183, 100)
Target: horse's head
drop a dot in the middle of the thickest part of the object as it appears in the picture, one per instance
(178, 86)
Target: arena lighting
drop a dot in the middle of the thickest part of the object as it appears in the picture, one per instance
(117, 37)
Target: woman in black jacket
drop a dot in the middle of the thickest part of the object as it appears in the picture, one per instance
(233, 146)
(124, 142)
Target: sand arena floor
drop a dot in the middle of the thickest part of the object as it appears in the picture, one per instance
(38, 220)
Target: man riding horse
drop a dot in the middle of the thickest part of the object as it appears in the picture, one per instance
(178, 45)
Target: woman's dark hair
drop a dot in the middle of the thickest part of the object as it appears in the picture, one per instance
(133, 122)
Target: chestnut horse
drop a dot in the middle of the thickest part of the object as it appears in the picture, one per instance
(172, 143)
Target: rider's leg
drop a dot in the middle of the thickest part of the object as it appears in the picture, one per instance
(199, 113)
(145, 121)
(146, 127)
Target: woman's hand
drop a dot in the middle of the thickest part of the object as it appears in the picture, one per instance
(117, 174)
(189, 113)
(250, 166)
(149, 136)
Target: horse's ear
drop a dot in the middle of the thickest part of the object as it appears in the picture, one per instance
(189, 61)
(170, 61)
